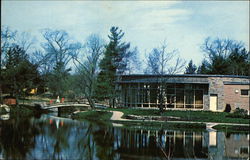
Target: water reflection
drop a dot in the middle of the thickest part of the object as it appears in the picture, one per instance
(49, 137)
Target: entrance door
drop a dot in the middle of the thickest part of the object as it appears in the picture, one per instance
(213, 102)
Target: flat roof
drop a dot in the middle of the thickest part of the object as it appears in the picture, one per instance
(184, 75)
(236, 83)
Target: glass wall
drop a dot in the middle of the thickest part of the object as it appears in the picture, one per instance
(180, 96)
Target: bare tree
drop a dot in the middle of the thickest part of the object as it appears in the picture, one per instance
(218, 54)
(87, 68)
(59, 50)
(158, 61)
(133, 62)
(220, 47)
(59, 47)
(25, 41)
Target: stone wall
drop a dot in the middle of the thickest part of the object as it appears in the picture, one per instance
(225, 94)
(216, 87)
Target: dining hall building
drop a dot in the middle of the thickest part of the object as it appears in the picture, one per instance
(184, 91)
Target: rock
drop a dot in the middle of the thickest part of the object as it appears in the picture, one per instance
(6, 108)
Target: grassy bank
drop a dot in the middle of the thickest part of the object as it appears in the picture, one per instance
(231, 128)
(196, 116)
(23, 111)
(104, 117)
(162, 125)
(93, 115)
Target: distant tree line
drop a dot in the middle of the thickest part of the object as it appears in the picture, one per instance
(222, 56)
(66, 68)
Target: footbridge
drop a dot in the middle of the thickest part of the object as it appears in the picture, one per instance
(45, 106)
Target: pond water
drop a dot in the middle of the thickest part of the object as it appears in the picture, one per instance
(50, 137)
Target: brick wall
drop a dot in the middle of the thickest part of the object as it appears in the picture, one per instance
(236, 99)
(226, 92)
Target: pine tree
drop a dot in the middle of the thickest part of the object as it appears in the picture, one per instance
(203, 68)
(113, 63)
(20, 73)
(191, 68)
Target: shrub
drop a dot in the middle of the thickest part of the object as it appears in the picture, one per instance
(239, 113)
(228, 108)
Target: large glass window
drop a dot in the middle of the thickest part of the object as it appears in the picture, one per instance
(199, 99)
(179, 98)
(170, 100)
(189, 98)
(174, 95)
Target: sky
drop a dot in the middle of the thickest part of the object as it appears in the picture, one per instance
(184, 25)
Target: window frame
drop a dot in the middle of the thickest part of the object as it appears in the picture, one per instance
(244, 95)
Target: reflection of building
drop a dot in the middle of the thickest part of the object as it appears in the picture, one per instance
(237, 146)
(173, 144)
(153, 144)
(206, 92)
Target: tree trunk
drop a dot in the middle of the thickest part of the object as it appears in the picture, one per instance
(110, 102)
(1, 93)
(91, 102)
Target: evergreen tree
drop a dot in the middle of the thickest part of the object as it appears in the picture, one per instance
(20, 74)
(219, 65)
(203, 68)
(239, 63)
(191, 68)
(225, 56)
(113, 63)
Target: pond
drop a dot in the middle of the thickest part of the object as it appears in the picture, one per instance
(51, 137)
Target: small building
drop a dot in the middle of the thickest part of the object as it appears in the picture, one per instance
(186, 91)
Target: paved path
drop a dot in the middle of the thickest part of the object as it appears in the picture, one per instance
(209, 125)
(117, 116)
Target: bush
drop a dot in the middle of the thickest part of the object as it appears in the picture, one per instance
(2, 110)
(228, 108)
(239, 113)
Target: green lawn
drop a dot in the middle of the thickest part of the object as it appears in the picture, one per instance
(232, 128)
(22, 111)
(103, 116)
(152, 125)
(199, 116)
(93, 115)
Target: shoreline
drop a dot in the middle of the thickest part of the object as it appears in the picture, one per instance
(117, 120)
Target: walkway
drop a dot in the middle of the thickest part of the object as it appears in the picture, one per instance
(117, 116)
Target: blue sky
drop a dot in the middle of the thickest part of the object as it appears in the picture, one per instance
(183, 24)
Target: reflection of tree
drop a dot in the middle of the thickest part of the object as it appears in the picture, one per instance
(17, 138)
(104, 140)
(23, 139)
(85, 144)
(72, 140)
(61, 141)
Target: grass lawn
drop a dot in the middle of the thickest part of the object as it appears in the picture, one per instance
(162, 125)
(232, 128)
(104, 117)
(199, 116)
(93, 115)
(22, 111)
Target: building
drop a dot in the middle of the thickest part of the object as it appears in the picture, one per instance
(187, 91)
